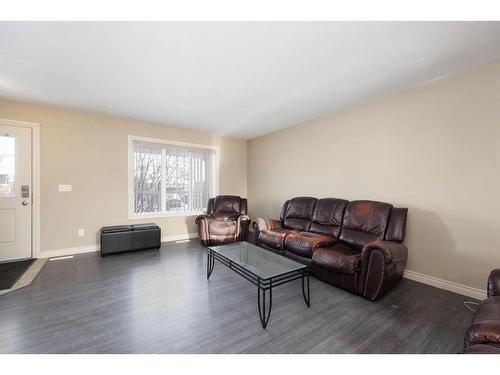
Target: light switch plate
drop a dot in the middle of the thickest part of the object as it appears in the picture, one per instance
(65, 188)
(81, 232)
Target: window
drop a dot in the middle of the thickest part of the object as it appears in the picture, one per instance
(7, 165)
(170, 178)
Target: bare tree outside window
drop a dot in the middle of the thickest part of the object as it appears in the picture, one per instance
(169, 180)
(147, 179)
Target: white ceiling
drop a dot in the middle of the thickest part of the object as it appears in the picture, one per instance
(240, 79)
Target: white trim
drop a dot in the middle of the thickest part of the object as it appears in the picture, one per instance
(69, 251)
(93, 248)
(35, 183)
(131, 139)
(61, 258)
(164, 214)
(445, 284)
(174, 143)
(216, 171)
(179, 237)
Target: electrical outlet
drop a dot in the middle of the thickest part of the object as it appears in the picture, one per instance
(81, 232)
(64, 188)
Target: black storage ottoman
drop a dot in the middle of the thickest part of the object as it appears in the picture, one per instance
(146, 236)
(121, 238)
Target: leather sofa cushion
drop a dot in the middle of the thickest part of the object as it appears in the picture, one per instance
(327, 216)
(304, 243)
(298, 213)
(482, 349)
(227, 203)
(396, 227)
(274, 238)
(297, 224)
(364, 221)
(222, 227)
(493, 288)
(485, 327)
(338, 258)
(298, 258)
(226, 216)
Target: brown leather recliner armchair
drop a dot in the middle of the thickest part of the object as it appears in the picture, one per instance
(354, 245)
(483, 335)
(226, 221)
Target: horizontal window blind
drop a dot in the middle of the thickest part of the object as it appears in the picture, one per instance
(171, 179)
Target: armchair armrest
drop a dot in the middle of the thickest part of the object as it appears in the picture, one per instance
(202, 217)
(202, 222)
(243, 217)
(242, 223)
(382, 266)
(243, 220)
(393, 252)
(494, 283)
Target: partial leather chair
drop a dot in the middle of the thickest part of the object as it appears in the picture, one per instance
(483, 335)
(226, 221)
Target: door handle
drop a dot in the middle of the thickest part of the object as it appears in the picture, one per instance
(25, 203)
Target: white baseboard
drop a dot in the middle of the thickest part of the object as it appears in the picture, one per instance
(180, 237)
(446, 285)
(68, 251)
(91, 248)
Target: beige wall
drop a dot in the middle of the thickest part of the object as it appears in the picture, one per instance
(90, 152)
(434, 149)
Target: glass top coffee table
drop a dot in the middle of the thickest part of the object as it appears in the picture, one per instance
(261, 267)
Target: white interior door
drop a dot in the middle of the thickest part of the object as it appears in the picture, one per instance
(15, 193)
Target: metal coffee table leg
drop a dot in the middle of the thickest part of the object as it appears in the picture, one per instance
(210, 262)
(305, 290)
(264, 313)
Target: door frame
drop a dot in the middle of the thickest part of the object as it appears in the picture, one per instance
(35, 181)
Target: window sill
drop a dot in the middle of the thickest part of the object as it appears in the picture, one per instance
(164, 215)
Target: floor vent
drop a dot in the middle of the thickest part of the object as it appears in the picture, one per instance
(61, 258)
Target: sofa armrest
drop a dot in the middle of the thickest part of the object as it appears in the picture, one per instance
(202, 217)
(382, 266)
(494, 283)
(262, 224)
(393, 252)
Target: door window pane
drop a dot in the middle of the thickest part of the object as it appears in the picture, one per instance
(7, 165)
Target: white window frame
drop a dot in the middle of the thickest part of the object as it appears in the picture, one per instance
(133, 138)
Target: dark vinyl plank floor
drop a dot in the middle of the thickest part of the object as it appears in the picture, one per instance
(161, 302)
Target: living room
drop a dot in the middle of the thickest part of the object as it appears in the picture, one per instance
(212, 187)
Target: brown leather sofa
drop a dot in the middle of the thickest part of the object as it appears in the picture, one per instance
(353, 245)
(483, 335)
(226, 221)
